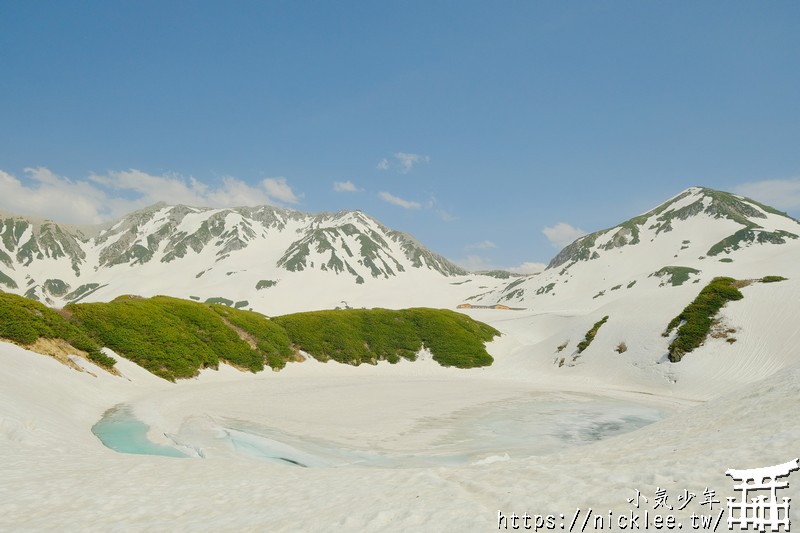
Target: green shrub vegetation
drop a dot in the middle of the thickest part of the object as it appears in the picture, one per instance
(543, 290)
(772, 279)
(8, 282)
(590, 335)
(175, 338)
(56, 287)
(24, 321)
(171, 338)
(82, 292)
(748, 235)
(356, 336)
(220, 300)
(678, 275)
(694, 322)
(270, 339)
(102, 359)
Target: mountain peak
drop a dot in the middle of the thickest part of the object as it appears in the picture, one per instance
(752, 221)
(696, 235)
(251, 247)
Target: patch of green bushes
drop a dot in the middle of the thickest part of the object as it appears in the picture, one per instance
(590, 335)
(171, 338)
(24, 321)
(678, 275)
(82, 292)
(772, 279)
(694, 322)
(748, 235)
(356, 336)
(174, 338)
(8, 282)
(271, 339)
(220, 300)
(101, 359)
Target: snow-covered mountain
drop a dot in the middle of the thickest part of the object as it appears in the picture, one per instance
(278, 261)
(696, 235)
(641, 274)
(241, 255)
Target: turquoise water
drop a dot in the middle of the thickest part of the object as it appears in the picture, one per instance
(121, 431)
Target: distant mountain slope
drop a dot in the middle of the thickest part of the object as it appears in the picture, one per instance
(758, 224)
(237, 253)
(627, 303)
(698, 234)
(640, 274)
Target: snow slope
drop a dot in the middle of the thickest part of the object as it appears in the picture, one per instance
(58, 476)
(725, 405)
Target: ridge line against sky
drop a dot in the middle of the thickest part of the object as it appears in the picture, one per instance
(105, 198)
(493, 133)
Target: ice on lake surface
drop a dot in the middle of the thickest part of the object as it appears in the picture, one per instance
(121, 431)
(497, 431)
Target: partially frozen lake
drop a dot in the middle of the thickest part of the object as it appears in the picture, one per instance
(121, 431)
(495, 431)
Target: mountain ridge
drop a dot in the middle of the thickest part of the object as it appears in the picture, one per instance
(35, 253)
(721, 205)
(281, 260)
(677, 241)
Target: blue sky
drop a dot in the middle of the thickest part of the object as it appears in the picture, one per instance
(492, 131)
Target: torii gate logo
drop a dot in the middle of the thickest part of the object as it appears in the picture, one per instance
(759, 511)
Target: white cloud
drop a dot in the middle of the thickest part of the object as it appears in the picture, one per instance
(233, 193)
(52, 196)
(443, 214)
(103, 197)
(278, 189)
(783, 194)
(562, 234)
(169, 187)
(483, 245)
(475, 263)
(345, 186)
(528, 267)
(407, 161)
(394, 200)
(404, 162)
